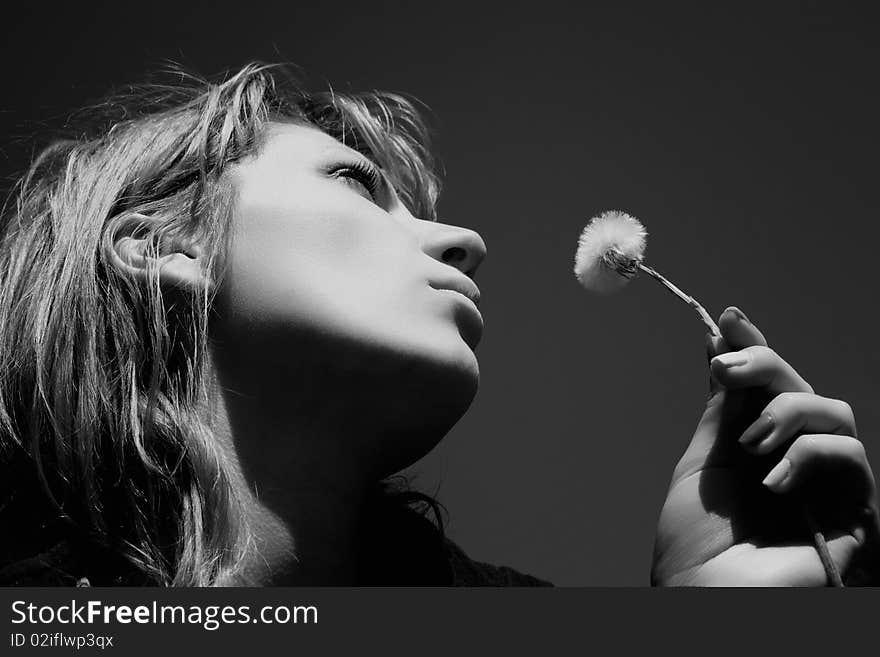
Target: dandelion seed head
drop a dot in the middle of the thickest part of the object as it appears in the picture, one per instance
(609, 251)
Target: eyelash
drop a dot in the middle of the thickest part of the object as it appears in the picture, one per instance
(364, 173)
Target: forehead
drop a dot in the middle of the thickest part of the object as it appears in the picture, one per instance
(300, 140)
(286, 149)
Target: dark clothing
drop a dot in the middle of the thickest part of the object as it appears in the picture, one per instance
(400, 548)
(67, 565)
(404, 548)
(467, 572)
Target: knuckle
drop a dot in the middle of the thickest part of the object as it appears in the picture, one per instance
(787, 400)
(787, 406)
(761, 352)
(778, 409)
(846, 412)
(856, 448)
(807, 443)
(769, 364)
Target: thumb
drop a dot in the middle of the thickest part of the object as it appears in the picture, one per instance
(717, 431)
(737, 332)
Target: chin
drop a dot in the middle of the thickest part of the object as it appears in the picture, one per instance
(455, 378)
(441, 386)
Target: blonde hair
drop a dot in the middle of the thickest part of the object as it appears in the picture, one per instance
(102, 378)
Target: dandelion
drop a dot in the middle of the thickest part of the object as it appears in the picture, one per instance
(610, 252)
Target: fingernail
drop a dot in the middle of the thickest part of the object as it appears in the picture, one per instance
(732, 359)
(757, 430)
(778, 474)
(739, 314)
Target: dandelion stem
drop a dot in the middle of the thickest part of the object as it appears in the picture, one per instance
(831, 571)
(688, 299)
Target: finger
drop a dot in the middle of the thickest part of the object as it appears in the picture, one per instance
(833, 460)
(794, 413)
(736, 326)
(715, 345)
(738, 331)
(757, 367)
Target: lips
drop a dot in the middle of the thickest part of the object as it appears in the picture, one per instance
(468, 316)
(462, 285)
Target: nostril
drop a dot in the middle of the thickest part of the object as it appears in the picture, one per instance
(454, 255)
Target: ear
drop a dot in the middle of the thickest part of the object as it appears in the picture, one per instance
(180, 262)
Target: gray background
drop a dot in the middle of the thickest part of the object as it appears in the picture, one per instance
(744, 138)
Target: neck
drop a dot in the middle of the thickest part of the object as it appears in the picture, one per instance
(305, 538)
(312, 435)
(306, 481)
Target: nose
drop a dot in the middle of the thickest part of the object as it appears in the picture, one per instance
(458, 247)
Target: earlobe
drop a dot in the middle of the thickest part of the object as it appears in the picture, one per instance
(178, 261)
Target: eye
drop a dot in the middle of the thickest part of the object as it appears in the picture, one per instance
(364, 178)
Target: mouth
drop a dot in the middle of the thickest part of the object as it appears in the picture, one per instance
(463, 286)
(469, 319)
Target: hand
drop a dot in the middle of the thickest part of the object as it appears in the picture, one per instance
(766, 447)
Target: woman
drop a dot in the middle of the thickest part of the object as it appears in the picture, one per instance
(229, 315)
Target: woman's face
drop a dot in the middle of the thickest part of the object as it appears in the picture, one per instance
(331, 279)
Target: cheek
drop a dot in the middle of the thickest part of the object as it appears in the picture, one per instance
(290, 262)
(330, 283)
